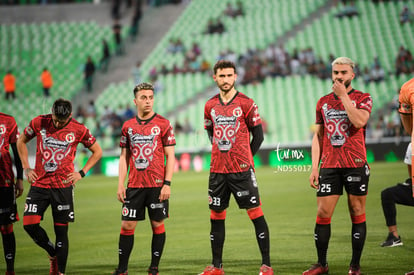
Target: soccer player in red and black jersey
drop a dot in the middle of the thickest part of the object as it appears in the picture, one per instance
(147, 149)
(9, 189)
(338, 147)
(231, 118)
(53, 178)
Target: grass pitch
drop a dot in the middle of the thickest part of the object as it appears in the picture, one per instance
(289, 205)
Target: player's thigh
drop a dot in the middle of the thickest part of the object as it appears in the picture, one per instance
(356, 180)
(404, 194)
(244, 188)
(37, 201)
(62, 204)
(218, 191)
(157, 210)
(326, 205)
(330, 182)
(8, 207)
(133, 209)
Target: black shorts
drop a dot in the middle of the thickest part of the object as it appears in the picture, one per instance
(60, 199)
(8, 207)
(332, 181)
(242, 185)
(137, 199)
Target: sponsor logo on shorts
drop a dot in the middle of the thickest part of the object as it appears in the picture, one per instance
(63, 207)
(243, 193)
(353, 179)
(4, 210)
(156, 205)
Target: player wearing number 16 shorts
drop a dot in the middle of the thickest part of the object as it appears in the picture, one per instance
(338, 146)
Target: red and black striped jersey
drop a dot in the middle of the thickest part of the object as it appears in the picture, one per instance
(56, 149)
(343, 145)
(9, 134)
(231, 124)
(146, 140)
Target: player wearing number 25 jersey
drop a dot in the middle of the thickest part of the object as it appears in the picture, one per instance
(338, 148)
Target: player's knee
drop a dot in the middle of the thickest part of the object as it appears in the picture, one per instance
(128, 226)
(6, 229)
(386, 195)
(255, 213)
(218, 215)
(31, 228)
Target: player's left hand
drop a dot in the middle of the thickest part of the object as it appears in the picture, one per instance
(165, 193)
(18, 189)
(338, 87)
(74, 177)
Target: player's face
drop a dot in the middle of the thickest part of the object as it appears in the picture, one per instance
(60, 123)
(225, 79)
(144, 101)
(343, 73)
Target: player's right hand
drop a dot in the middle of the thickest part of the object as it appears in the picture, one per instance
(314, 179)
(31, 175)
(121, 194)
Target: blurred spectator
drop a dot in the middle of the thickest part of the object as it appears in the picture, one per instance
(129, 112)
(175, 46)
(117, 31)
(404, 61)
(215, 26)
(136, 73)
(91, 109)
(405, 15)
(348, 9)
(47, 81)
(377, 74)
(88, 73)
(229, 11)
(239, 9)
(106, 55)
(136, 18)
(9, 82)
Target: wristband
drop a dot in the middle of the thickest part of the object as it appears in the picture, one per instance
(167, 182)
(81, 173)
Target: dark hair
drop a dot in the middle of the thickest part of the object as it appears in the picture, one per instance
(224, 64)
(143, 86)
(62, 109)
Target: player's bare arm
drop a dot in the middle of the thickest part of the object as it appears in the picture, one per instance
(316, 156)
(169, 169)
(24, 157)
(18, 186)
(407, 122)
(123, 170)
(92, 160)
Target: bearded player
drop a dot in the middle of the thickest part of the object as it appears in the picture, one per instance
(146, 141)
(230, 118)
(54, 176)
(9, 188)
(338, 147)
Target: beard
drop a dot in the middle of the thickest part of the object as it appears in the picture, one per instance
(221, 87)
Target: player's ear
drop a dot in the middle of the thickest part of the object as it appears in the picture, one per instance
(135, 101)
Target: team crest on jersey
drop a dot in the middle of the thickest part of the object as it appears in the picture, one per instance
(207, 122)
(155, 130)
(70, 137)
(237, 112)
(2, 129)
(353, 103)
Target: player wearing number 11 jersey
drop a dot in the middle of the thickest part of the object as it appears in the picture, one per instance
(230, 119)
(338, 146)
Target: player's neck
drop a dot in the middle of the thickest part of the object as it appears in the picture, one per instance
(145, 116)
(227, 96)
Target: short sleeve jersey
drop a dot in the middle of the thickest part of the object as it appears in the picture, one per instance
(231, 124)
(406, 97)
(9, 134)
(146, 140)
(56, 149)
(343, 144)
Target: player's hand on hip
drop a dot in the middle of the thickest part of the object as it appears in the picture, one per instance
(30, 174)
(165, 193)
(314, 179)
(74, 177)
(121, 194)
